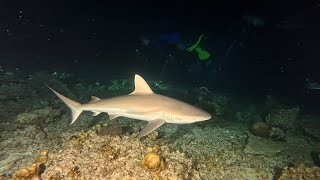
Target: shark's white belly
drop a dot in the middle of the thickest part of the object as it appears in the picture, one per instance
(145, 116)
(138, 115)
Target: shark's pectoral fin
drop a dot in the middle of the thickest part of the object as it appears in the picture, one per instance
(151, 126)
(112, 116)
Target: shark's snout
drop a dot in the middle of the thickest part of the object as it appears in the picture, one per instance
(205, 116)
(201, 116)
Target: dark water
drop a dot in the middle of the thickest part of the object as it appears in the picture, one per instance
(256, 48)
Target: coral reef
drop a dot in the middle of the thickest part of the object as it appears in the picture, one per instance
(217, 153)
(43, 157)
(218, 104)
(34, 171)
(96, 148)
(300, 172)
(121, 84)
(89, 156)
(152, 160)
(39, 117)
(160, 85)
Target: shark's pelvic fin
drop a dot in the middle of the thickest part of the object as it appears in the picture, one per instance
(112, 116)
(73, 105)
(141, 86)
(94, 99)
(95, 113)
(151, 126)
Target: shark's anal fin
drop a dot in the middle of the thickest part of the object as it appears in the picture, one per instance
(94, 99)
(151, 126)
(112, 116)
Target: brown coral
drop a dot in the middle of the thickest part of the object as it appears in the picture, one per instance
(153, 160)
(300, 172)
(43, 156)
(33, 172)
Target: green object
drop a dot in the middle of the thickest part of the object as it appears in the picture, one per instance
(202, 54)
(193, 47)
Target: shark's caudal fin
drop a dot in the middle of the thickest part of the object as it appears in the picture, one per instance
(73, 105)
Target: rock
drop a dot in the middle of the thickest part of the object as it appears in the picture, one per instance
(259, 146)
(312, 129)
(110, 130)
(285, 119)
(277, 134)
(38, 117)
(260, 129)
(315, 155)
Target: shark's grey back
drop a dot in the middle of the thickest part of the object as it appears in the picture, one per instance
(141, 104)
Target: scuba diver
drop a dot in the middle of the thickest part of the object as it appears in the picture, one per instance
(204, 57)
(171, 48)
(165, 47)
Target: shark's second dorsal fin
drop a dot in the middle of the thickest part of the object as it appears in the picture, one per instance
(141, 86)
(94, 99)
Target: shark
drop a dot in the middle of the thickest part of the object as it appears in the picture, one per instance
(141, 104)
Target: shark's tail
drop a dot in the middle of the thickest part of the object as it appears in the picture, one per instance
(73, 105)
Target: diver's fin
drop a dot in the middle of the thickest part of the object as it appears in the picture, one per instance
(141, 86)
(151, 126)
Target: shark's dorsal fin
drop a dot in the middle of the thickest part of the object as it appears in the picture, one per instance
(141, 86)
(94, 99)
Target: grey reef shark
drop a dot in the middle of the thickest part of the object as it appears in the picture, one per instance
(141, 104)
